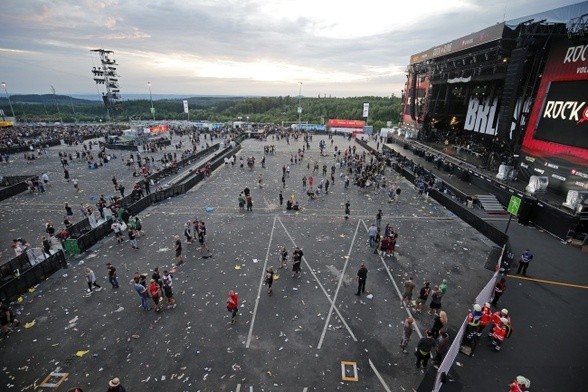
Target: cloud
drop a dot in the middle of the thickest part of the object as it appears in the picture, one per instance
(256, 47)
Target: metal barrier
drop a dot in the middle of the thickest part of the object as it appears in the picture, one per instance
(28, 275)
(93, 236)
(13, 190)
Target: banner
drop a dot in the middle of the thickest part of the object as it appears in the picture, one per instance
(346, 123)
(366, 109)
(185, 106)
(564, 116)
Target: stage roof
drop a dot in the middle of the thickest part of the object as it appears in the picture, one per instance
(496, 32)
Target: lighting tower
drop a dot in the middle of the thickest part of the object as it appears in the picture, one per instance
(106, 74)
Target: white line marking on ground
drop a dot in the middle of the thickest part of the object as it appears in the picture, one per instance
(397, 290)
(238, 388)
(328, 320)
(269, 246)
(386, 387)
(321, 285)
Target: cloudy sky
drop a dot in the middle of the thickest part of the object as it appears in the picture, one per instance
(235, 47)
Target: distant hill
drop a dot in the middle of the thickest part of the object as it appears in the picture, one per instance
(48, 99)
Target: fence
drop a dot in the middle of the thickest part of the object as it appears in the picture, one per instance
(8, 192)
(20, 273)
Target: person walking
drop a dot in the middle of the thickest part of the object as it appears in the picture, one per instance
(117, 228)
(423, 351)
(178, 248)
(526, 258)
(281, 197)
(133, 238)
(361, 279)
(112, 275)
(233, 305)
(379, 219)
(269, 279)
(91, 280)
(407, 331)
(408, 290)
(249, 201)
(347, 210)
(498, 291)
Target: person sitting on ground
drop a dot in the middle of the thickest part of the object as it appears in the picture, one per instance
(289, 205)
(295, 206)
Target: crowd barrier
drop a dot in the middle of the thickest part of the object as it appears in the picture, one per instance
(13, 190)
(12, 180)
(20, 274)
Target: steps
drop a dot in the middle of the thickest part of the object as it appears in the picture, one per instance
(491, 205)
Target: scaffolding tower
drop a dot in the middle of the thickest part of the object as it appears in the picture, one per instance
(106, 75)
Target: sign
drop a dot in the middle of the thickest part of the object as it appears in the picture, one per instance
(489, 34)
(482, 115)
(159, 129)
(185, 106)
(152, 110)
(366, 109)
(513, 205)
(564, 116)
(346, 123)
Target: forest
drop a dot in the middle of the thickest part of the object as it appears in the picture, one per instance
(276, 110)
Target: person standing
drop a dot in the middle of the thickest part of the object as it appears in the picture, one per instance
(283, 257)
(167, 280)
(520, 384)
(91, 280)
(114, 385)
(75, 184)
(379, 219)
(435, 304)
(296, 262)
(154, 293)
(233, 305)
(408, 290)
(498, 291)
(68, 210)
(7, 319)
(117, 228)
(112, 275)
(439, 323)
(249, 201)
(500, 331)
(178, 248)
(441, 349)
(423, 296)
(408, 329)
(142, 291)
(423, 351)
(526, 258)
(347, 211)
(372, 232)
(361, 279)
(133, 238)
(202, 238)
(269, 279)
(188, 232)
(443, 286)
(281, 197)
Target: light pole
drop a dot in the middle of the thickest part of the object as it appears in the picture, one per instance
(151, 99)
(9, 103)
(299, 103)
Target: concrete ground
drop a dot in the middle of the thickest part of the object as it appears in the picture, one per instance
(294, 340)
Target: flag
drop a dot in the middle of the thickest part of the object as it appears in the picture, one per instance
(185, 106)
(366, 109)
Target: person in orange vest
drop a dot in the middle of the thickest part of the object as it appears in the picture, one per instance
(485, 319)
(470, 336)
(500, 332)
(497, 316)
(520, 384)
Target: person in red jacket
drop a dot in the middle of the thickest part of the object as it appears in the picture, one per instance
(233, 305)
(485, 319)
(500, 332)
(154, 294)
(520, 384)
(497, 316)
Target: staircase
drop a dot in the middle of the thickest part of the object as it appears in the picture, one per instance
(491, 205)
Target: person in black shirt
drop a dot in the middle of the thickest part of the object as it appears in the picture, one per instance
(297, 261)
(423, 351)
(361, 279)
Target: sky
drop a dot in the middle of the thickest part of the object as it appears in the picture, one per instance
(235, 47)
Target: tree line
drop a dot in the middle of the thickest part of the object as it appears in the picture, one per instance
(277, 110)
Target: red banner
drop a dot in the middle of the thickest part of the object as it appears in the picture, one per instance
(346, 123)
(159, 129)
